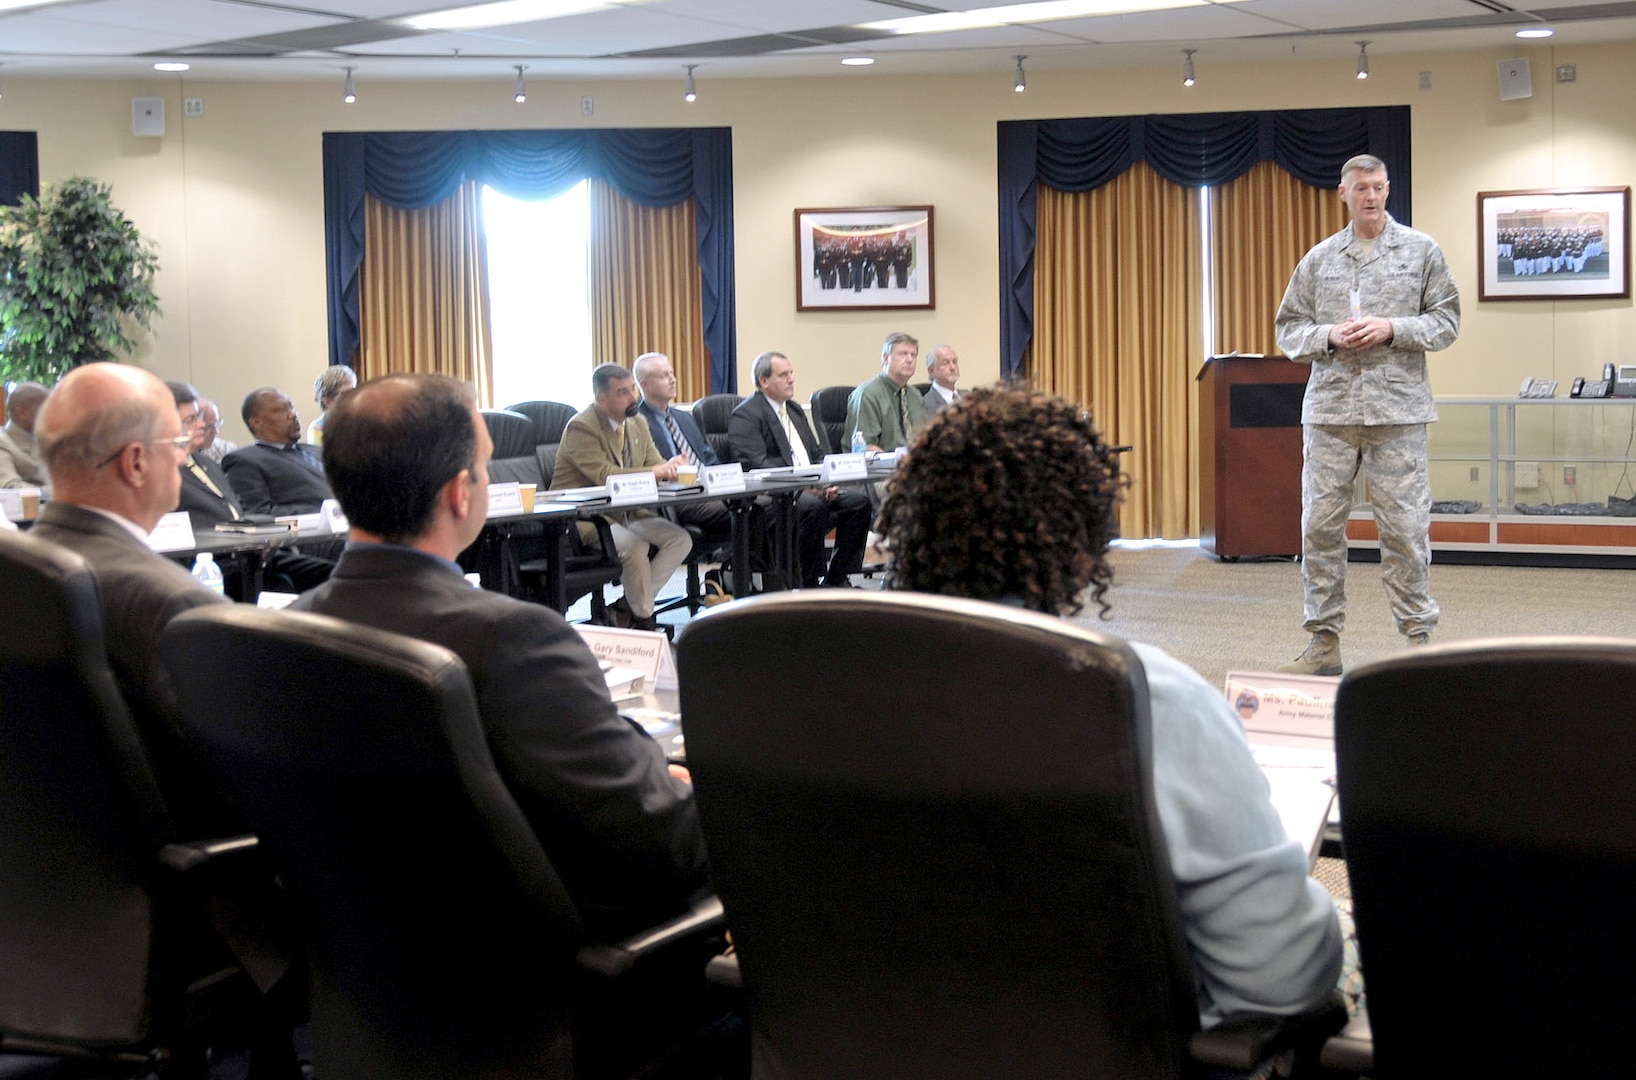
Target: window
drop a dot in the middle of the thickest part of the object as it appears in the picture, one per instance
(539, 296)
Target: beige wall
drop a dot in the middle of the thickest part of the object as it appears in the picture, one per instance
(235, 199)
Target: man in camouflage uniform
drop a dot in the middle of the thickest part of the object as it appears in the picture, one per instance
(1364, 307)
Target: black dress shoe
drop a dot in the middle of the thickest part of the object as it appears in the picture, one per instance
(644, 622)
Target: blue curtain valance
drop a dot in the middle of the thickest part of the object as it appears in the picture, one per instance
(19, 166)
(415, 169)
(1191, 150)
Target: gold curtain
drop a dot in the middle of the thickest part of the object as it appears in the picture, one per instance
(1261, 225)
(423, 292)
(1117, 328)
(646, 290)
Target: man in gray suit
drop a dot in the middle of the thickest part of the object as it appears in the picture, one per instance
(112, 441)
(943, 369)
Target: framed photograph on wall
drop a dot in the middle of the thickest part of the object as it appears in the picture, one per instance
(1554, 244)
(865, 258)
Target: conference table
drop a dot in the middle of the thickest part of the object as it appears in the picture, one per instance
(498, 562)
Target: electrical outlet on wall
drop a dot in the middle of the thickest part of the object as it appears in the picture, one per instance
(1527, 474)
(1570, 475)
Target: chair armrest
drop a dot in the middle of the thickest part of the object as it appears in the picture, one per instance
(1243, 1042)
(184, 857)
(723, 970)
(704, 918)
(1352, 1051)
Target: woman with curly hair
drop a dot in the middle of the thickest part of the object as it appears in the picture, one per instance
(1013, 499)
(1010, 495)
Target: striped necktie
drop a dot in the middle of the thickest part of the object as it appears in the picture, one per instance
(683, 447)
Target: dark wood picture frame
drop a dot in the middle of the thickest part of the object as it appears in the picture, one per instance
(864, 258)
(1554, 244)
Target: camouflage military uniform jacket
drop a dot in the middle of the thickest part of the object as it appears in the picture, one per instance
(1404, 278)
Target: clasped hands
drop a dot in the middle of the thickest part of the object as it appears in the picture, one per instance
(1361, 333)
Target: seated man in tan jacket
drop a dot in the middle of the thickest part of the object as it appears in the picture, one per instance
(602, 441)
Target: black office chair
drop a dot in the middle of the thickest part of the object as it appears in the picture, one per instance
(958, 877)
(515, 460)
(441, 941)
(829, 416)
(104, 945)
(1490, 835)
(550, 419)
(712, 413)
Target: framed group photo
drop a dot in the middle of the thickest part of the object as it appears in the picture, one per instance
(864, 258)
(1554, 244)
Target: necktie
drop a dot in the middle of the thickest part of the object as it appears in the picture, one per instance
(204, 478)
(683, 447)
(798, 449)
(625, 436)
(903, 413)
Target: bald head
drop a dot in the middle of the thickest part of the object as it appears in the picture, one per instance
(101, 435)
(23, 405)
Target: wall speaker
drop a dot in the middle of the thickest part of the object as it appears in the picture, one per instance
(148, 116)
(1515, 80)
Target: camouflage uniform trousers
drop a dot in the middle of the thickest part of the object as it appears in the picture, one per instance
(1392, 460)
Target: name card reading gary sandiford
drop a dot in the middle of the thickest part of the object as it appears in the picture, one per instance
(845, 467)
(633, 487)
(723, 479)
(505, 500)
(648, 651)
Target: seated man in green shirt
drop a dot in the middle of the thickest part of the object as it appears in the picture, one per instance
(884, 409)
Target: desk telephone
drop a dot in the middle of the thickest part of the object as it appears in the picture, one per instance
(1612, 384)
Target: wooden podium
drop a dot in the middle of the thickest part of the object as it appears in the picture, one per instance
(1250, 455)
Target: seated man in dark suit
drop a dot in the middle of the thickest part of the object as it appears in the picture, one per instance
(409, 455)
(111, 438)
(677, 434)
(209, 498)
(277, 474)
(769, 429)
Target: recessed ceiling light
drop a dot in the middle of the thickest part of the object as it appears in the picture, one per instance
(1535, 32)
(504, 13)
(858, 61)
(170, 66)
(1042, 11)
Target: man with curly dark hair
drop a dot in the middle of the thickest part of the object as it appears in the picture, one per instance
(1010, 495)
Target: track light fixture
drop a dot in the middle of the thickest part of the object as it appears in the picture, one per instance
(690, 92)
(519, 93)
(1187, 67)
(1363, 59)
(1021, 82)
(349, 92)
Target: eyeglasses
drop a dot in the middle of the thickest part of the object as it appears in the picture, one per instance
(178, 443)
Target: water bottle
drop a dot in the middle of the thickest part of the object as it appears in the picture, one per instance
(207, 573)
(858, 445)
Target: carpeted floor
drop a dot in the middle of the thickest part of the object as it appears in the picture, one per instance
(1220, 616)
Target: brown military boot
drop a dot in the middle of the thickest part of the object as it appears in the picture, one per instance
(1322, 656)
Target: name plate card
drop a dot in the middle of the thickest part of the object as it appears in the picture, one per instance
(505, 500)
(173, 533)
(723, 479)
(633, 487)
(647, 651)
(845, 467)
(303, 522)
(330, 511)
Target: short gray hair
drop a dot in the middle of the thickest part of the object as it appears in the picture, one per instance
(1362, 163)
(640, 365)
(763, 366)
(332, 382)
(893, 340)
